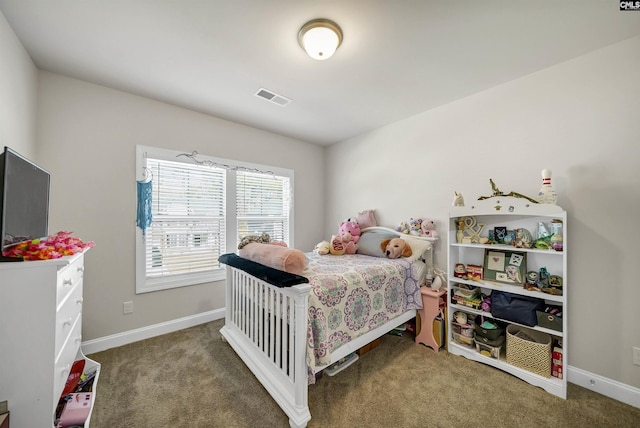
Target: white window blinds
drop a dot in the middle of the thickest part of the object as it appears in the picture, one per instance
(262, 205)
(187, 234)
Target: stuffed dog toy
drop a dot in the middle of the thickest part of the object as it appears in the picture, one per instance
(395, 248)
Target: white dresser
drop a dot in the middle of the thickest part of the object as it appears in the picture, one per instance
(40, 336)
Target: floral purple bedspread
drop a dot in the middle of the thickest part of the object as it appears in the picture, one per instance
(351, 295)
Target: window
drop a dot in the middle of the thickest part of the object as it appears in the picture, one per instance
(262, 205)
(201, 207)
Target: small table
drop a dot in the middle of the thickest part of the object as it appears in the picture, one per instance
(432, 304)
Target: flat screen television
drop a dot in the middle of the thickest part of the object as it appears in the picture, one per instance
(24, 203)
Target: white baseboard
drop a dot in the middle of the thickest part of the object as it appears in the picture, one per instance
(115, 340)
(610, 388)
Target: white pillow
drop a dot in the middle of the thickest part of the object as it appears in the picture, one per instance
(370, 240)
(418, 247)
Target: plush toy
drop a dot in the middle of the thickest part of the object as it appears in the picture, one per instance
(264, 238)
(275, 256)
(366, 219)
(458, 200)
(396, 248)
(349, 231)
(336, 247)
(322, 248)
(428, 227)
(414, 226)
(403, 227)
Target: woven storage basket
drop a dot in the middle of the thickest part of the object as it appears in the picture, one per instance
(529, 350)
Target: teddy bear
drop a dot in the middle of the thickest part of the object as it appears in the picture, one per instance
(428, 227)
(414, 226)
(349, 233)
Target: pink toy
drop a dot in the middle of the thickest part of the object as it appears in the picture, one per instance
(349, 233)
(428, 227)
(366, 219)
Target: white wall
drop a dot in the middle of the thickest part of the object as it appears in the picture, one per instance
(18, 81)
(87, 138)
(579, 119)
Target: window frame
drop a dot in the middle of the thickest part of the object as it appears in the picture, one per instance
(144, 284)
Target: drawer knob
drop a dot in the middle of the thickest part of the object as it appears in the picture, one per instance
(79, 301)
(66, 323)
(67, 281)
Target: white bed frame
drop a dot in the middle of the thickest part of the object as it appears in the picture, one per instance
(267, 327)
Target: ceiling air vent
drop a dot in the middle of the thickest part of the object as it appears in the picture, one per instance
(272, 97)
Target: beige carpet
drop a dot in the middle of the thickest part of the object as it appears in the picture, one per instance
(192, 379)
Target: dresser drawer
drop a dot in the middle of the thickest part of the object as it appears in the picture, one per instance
(68, 312)
(69, 277)
(66, 358)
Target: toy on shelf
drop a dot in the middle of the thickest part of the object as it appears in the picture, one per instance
(524, 239)
(458, 200)
(547, 194)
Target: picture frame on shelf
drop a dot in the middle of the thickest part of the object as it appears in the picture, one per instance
(500, 232)
(505, 266)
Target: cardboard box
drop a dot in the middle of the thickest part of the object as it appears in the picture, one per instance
(369, 346)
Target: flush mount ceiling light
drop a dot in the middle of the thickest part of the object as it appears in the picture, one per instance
(320, 38)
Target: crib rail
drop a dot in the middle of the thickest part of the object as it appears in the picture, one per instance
(267, 327)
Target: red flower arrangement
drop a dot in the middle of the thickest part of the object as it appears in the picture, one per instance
(51, 247)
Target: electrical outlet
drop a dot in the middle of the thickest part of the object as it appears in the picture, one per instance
(127, 307)
(636, 356)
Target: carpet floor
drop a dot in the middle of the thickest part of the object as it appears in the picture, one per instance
(191, 378)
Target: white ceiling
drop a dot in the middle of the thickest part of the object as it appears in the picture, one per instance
(398, 58)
